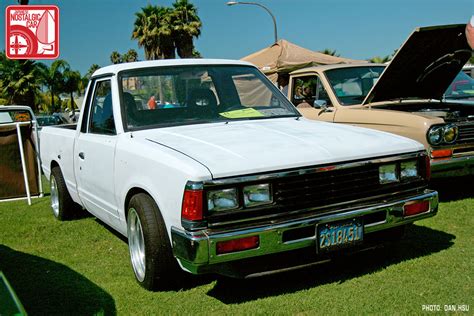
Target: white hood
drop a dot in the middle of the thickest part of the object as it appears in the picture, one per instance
(248, 147)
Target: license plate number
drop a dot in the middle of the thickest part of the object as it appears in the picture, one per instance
(337, 235)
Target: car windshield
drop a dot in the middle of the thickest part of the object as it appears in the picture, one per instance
(352, 84)
(462, 87)
(167, 96)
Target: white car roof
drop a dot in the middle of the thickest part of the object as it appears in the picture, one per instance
(114, 69)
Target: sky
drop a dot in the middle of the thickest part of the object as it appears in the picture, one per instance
(91, 29)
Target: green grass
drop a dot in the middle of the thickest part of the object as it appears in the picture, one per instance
(80, 267)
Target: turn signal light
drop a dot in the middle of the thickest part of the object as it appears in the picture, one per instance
(240, 244)
(441, 153)
(192, 205)
(416, 208)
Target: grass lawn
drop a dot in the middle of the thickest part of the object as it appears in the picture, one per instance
(80, 267)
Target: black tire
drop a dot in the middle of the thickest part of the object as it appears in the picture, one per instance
(66, 207)
(159, 269)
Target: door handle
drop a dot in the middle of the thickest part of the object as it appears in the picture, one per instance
(81, 155)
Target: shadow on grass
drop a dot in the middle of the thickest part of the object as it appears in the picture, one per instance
(452, 189)
(46, 287)
(418, 242)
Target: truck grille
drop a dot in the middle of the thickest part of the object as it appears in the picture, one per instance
(335, 187)
(326, 190)
(466, 133)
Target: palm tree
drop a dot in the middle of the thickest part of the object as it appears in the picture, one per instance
(379, 60)
(196, 53)
(145, 31)
(186, 27)
(19, 81)
(331, 52)
(72, 83)
(115, 58)
(130, 56)
(53, 78)
(154, 31)
(91, 70)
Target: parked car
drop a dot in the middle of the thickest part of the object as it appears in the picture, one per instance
(231, 176)
(50, 120)
(405, 97)
(461, 89)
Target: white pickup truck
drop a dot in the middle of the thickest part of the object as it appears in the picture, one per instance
(206, 167)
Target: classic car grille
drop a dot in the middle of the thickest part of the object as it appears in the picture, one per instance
(466, 133)
(321, 192)
(334, 187)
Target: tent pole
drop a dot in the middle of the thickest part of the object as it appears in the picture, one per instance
(38, 161)
(23, 164)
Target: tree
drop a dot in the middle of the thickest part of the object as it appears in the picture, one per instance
(196, 54)
(115, 57)
(130, 56)
(72, 83)
(380, 60)
(53, 78)
(186, 27)
(145, 31)
(331, 52)
(91, 70)
(19, 81)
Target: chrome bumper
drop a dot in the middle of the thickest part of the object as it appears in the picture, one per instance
(452, 167)
(196, 251)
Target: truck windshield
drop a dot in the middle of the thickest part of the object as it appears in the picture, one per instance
(351, 85)
(179, 95)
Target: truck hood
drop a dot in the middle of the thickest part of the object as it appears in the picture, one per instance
(424, 66)
(249, 147)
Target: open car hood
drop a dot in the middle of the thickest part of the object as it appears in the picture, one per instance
(424, 66)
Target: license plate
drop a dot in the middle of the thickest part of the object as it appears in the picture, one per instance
(337, 235)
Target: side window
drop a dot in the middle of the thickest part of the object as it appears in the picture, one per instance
(101, 117)
(308, 89)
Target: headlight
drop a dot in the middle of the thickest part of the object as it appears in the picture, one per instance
(435, 135)
(408, 169)
(388, 174)
(450, 133)
(222, 200)
(257, 195)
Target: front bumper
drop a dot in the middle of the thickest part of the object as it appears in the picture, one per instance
(196, 251)
(452, 167)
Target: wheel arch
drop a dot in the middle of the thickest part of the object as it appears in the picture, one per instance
(134, 191)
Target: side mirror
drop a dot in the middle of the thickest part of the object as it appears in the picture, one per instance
(320, 104)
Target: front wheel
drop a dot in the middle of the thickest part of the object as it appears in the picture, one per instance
(150, 250)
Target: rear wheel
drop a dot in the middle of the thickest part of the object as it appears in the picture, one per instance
(150, 250)
(62, 204)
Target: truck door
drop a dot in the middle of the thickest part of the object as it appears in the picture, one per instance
(94, 153)
(310, 97)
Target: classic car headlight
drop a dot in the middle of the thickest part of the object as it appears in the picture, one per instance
(435, 135)
(450, 133)
(257, 195)
(408, 169)
(388, 174)
(222, 200)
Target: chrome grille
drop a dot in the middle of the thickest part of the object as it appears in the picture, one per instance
(466, 133)
(335, 187)
(327, 189)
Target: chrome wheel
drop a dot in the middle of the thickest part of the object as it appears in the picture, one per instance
(54, 196)
(136, 244)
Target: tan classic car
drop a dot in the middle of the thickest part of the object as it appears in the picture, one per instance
(405, 97)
